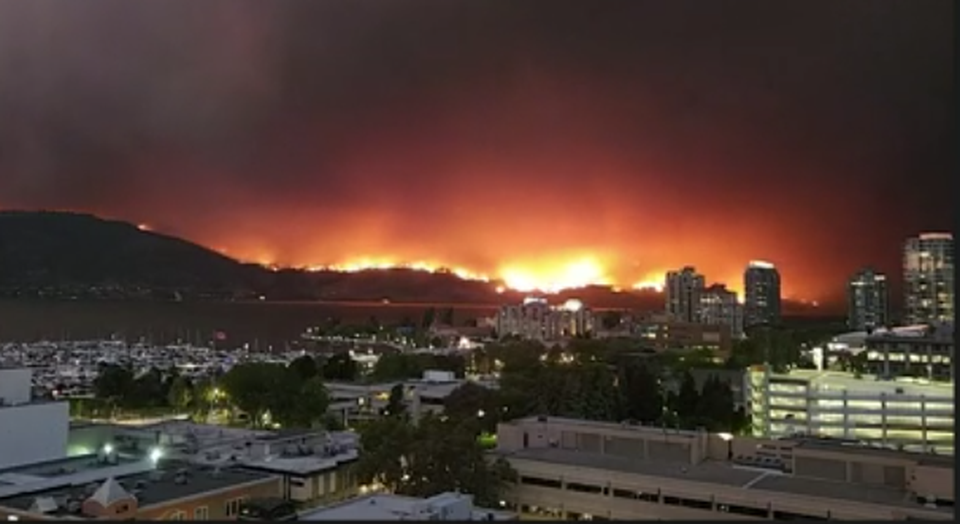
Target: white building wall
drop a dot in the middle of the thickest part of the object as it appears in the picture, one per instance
(35, 432)
(15, 386)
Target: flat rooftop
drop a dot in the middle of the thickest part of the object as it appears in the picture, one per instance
(838, 381)
(150, 488)
(597, 425)
(858, 449)
(725, 474)
(388, 508)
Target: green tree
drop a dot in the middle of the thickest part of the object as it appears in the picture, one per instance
(429, 317)
(340, 367)
(310, 405)
(397, 366)
(113, 384)
(260, 389)
(473, 402)
(305, 367)
(396, 404)
(687, 399)
(447, 316)
(431, 457)
(642, 398)
(180, 393)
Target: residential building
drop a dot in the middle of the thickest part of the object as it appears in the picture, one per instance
(683, 289)
(761, 291)
(924, 351)
(586, 470)
(386, 507)
(719, 307)
(110, 485)
(536, 319)
(30, 430)
(904, 413)
(867, 301)
(928, 278)
(660, 333)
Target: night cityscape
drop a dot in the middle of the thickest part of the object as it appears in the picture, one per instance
(476, 260)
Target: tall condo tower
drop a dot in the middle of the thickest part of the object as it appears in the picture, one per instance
(683, 289)
(867, 301)
(761, 290)
(928, 278)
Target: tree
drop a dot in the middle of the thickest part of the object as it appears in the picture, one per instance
(310, 406)
(396, 404)
(429, 317)
(340, 367)
(473, 402)
(642, 399)
(397, 366)
(260, 389)
(431, 457)
(687, 399)
(180, 393)
(447, 316)
(305, 367)
(113, 384)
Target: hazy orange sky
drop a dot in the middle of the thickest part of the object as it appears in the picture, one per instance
(491, 135)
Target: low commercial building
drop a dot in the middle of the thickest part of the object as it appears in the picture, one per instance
(661, 333)
(110, 485)
(314, 467)
(576, 469)
(382, 507)
(924, 351)
(358, 401)
(906, 413)
(30, 430)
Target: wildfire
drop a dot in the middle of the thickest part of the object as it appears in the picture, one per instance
(367, 264)
(553, 277)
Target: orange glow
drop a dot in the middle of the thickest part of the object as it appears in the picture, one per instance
(550, 275)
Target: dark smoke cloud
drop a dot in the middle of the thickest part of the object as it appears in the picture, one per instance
(463, 130)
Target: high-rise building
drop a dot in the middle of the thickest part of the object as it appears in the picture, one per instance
(928, 278)
(535, 319)
(683, 289)
(761, 290)
(719, 306)
(867, 301)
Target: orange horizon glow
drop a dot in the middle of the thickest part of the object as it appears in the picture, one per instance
(542, 275)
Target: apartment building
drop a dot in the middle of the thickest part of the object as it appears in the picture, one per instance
(585, 470)
(761, 290)
(115, 486)
(925, 351)
(928, 278)
(719, 306)
(683, 289)
(536, 319)
(868, 305)
(903, 413)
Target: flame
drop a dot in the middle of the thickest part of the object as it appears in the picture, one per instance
(551, 277)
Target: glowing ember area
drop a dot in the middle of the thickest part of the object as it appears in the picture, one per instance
(649, 285)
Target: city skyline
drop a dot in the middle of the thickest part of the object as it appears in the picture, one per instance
(325, 135)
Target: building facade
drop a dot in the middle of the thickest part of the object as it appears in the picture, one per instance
(585, 470)
(923, 351)
(907, 414)
(536, 319)
(761, 290)
(719, 306)
(928, 278)
(30, 430)
(661, 333)
(867, 301)
(683, 289)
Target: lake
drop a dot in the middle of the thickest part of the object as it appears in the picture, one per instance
(266, 322)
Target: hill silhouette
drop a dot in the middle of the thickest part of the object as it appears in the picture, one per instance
(81, 256)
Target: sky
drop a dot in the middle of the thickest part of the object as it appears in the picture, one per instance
(546, 142)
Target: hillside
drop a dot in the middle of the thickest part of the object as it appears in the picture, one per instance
(79, 255)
